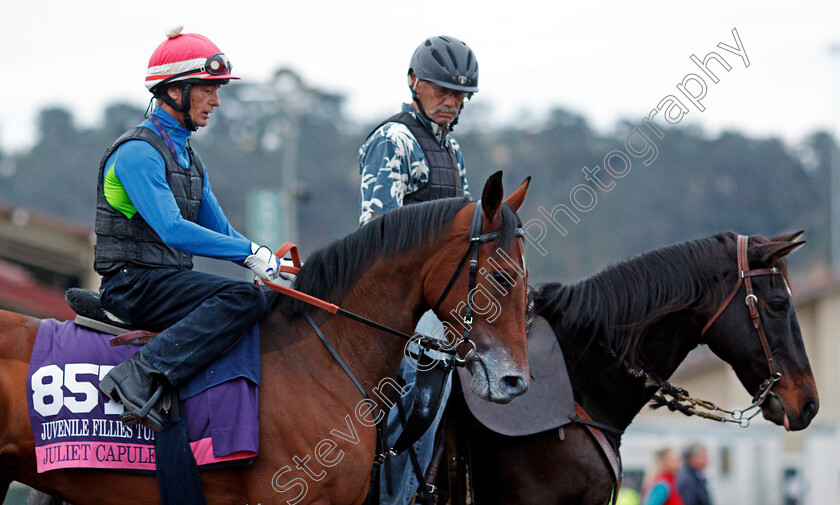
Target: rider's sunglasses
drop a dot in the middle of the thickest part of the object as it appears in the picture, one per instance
(442, 93)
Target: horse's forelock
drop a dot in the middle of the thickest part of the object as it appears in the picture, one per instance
(507, 230)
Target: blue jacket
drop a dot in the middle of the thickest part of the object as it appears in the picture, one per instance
(135, 182)
(692, 487)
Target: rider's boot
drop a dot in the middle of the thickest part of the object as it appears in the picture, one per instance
(138, 386)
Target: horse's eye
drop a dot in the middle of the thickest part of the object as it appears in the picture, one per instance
(779, 306)
(503, 279)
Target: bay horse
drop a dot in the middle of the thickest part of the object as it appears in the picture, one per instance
(390, 271)
(626, 329)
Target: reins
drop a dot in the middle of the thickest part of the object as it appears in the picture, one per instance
(681, 401)
(475, 240)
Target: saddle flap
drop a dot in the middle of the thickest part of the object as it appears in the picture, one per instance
(428, 389)
(548, 403)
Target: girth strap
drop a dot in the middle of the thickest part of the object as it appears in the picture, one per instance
(613, 458)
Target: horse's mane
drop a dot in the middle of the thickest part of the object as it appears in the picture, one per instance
(620, 302)
(334, 268)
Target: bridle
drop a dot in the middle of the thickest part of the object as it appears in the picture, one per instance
(476, 238)
(745, 276)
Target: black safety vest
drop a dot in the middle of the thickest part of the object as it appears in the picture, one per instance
(120, 240)
(444, 179)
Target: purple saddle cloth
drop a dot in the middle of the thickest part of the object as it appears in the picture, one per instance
(76, 426)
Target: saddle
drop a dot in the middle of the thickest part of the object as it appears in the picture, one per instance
(548, 403)
(177, 467)
(90, 314)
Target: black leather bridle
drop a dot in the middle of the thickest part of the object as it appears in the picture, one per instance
(476, 239)
(745, 276)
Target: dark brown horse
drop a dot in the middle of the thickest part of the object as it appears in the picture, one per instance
(627, 328)
(390, 271)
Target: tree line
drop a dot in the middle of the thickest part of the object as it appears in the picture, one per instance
(698, 184)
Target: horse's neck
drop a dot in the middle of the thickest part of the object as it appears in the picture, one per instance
(390, 294)
(18, 335)
(612, 391)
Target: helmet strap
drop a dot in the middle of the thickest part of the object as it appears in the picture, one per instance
(150, 107)
(413, 87)
(455, 121)
(183, 107)
(419, 105)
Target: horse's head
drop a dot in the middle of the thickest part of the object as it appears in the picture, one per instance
(477, 284)
(736, 335)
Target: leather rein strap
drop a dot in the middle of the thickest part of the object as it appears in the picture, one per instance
(335, 309)
(745, 276)
(475, 240)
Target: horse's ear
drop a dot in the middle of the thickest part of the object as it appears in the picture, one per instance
(774, 251)
(491, 197)
(515, 200)
(789, 237)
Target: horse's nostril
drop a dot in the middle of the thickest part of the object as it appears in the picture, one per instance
(810, 408)
(514, 383)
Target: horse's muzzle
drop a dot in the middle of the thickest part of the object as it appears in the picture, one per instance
(774, 411)
(497, 380)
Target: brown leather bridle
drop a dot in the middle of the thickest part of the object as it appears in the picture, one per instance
(745, 276)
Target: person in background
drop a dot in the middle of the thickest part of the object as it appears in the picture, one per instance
(662, 488)
(628, 496)
(691, 481)
(411, 158)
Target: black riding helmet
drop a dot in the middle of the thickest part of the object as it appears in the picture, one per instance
(447, 62)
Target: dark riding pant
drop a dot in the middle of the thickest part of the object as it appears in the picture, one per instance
(199, 315)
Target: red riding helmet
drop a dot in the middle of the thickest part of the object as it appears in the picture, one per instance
(187, 57)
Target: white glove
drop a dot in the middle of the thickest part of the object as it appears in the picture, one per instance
(263, 262)
(286, 262)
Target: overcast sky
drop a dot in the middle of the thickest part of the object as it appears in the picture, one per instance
(603, 59)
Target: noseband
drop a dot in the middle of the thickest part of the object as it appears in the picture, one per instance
(745, 276)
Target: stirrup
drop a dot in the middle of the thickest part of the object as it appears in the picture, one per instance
(140, 416)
